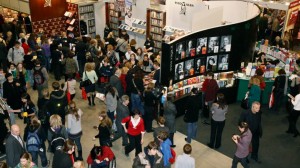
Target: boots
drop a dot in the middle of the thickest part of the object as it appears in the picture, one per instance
(79, 155)
(93, 100)
(89, 98)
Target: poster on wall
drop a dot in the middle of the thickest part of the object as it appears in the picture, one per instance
(191, 48)
(128, 12)
(211, 64)
(120, 5)
(180, 51)
(189, 68)
(225, 44)
(179, 73)
(223, 62)
(201, 45)
(213, 45)
(200, 65)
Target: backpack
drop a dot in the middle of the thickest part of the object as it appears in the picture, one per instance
(33, 142)
(58, 141)
(44, 114)
(38, 76)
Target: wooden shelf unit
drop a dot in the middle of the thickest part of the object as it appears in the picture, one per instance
(156, 21)
(113, 18)
(87, 14)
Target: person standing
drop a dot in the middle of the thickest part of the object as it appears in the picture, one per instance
(209, 89)
(279, 89)
(170, 113)
(122, 112)
(70, 65)
(14, 146)
(64, 158)
(185, 160)
(294, 115)
(253, 119)
(218, 110)
(149, 105)
(90, 74)
(156, 75)
(161, 127)
(191, 115)
(40, 78)
(26, 161)
(135, 131)
(111, 101)
(149, 44)
(116, 82)
(242, 142)
(74, 127)
(254, 93)
(80, 50)
(104, 129)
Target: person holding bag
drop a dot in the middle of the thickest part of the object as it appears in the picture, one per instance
(69, 87)
(90, 74)
(137, 92)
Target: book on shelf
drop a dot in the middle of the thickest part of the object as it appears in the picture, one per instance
(70, 28)
(72, 22)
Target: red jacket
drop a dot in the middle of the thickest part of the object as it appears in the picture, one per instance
(134, 131)
(25, 47)
(107, 153)
(123, 81)
(211, 89)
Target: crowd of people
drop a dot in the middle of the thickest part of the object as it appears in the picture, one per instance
(112, 66)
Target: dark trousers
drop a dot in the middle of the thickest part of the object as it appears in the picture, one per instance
(293, 117)
(236, 160)
(121, 133)
(42, 155)
(56, 70)
(134, 143)
(148, 117)
(216, 133)
(255, 144)
(278, 96)
(171, 137)
(81, 64)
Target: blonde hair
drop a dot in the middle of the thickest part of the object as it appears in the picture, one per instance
(94, 42)
(105, 122)
(88, 67)
(255, 81)
(124, 70)
(109, 47)
(78, 164)
(45, 93)
(55, 121)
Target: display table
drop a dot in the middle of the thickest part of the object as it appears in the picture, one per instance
(243, 88)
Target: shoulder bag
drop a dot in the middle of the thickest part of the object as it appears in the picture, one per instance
(86, 82)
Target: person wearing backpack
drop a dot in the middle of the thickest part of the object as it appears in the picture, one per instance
(58, 102)
(57, 134)
(64, 157)
(40, 78)
(35, 138)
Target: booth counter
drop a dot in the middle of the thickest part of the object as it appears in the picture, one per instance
(243, 88)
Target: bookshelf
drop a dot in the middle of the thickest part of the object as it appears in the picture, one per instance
(156, 21)
(113, 18)
(87, 15)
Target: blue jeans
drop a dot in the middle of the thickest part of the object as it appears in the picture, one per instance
(42, 155)
(136, 103)
(30, 77)
(77, 142)
(191, 131)
(47, 63)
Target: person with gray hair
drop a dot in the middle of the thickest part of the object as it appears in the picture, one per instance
(116, 82)
(122, 112)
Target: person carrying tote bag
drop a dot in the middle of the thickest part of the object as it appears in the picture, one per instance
(91, 75)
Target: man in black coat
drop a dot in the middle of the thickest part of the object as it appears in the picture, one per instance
(14, 146)
(253, 118)
(116, 82)
(156, 75)
(81, 49)
(192, 114)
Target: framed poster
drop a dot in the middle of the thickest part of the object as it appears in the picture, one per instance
(211, 63)
(225, 44)
(223, 62)
(180, 51)
(179, 73)
(190, 48)
(200, 65)
(213, 44)
(189, 68)
(201, 46)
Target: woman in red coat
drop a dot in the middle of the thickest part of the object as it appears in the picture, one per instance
(135, 131)
(100, 156)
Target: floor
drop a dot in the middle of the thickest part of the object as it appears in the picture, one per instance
(204, 156)
(277, 149)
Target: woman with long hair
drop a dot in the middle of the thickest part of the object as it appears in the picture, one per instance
(70, 85)
(26, 161)
(278, 89)
(56, 128)
(149, 105)
(218, 110)
(64, 158)
(104, 129)
(111, 55)
(22, 77)
(137, 91)
(170, 113)
(90, 74)
(242, 142)
(74, 127)
(135, 131)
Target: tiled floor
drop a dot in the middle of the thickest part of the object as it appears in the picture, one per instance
(204, 156)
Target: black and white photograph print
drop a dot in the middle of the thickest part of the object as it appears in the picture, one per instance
(190, 48)
(201, 46)
(213, 44)
(189, 68)
(180, 51)
(225, 44)
(179, 73)
(199, 62)
(211, 63)
(223, 62)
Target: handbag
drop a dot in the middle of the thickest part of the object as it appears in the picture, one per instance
(86, 82)
(68, 93)
(139, 92)
(83, 94)
(244, 102)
